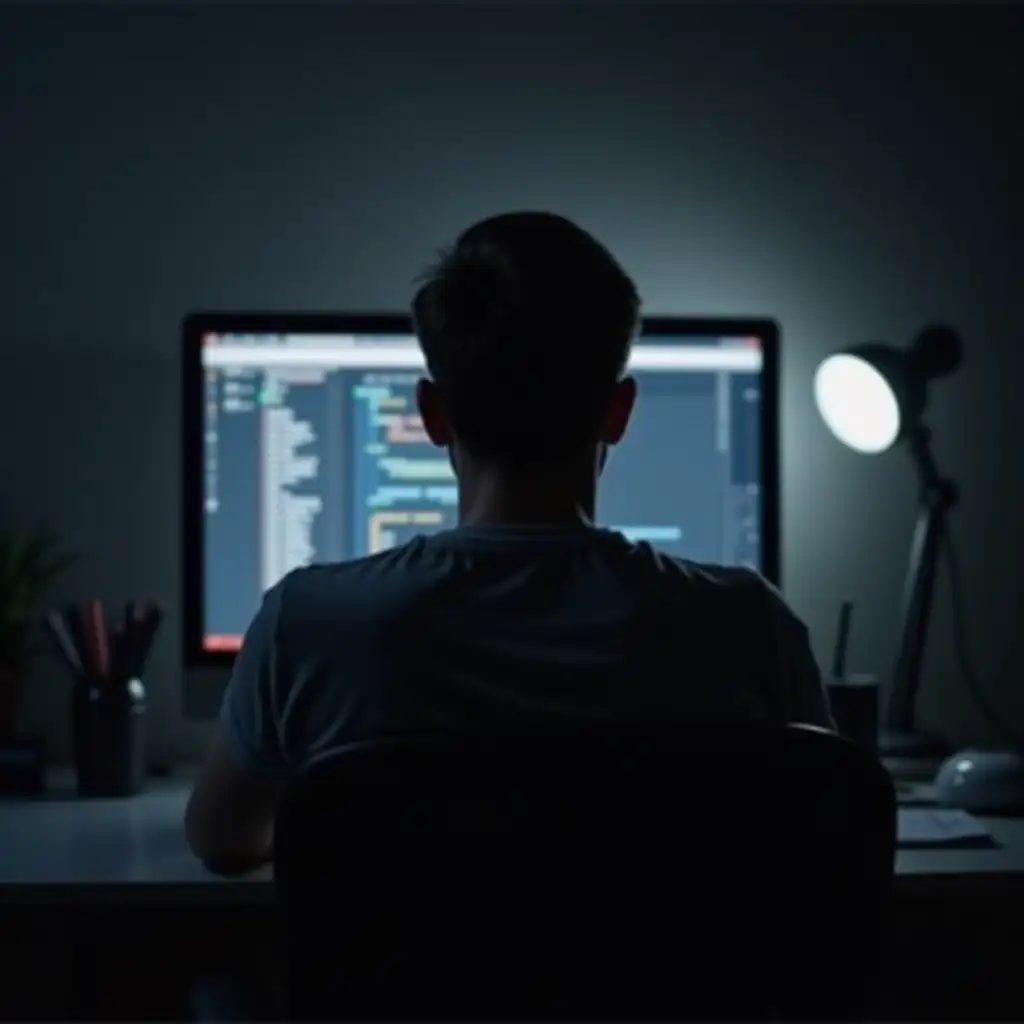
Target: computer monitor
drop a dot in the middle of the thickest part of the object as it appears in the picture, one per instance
(302, 444)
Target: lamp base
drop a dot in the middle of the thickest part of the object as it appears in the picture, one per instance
(912, 745)
(982, 782)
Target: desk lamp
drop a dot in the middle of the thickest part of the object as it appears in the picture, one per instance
(872, 397)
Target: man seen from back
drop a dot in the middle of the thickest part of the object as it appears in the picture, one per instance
(527, 611)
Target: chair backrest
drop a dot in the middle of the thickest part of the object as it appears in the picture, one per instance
(715, 871)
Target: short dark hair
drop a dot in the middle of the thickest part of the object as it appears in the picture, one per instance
(526, 325)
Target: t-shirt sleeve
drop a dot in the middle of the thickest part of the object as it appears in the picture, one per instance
(808, 697)
(248, 715)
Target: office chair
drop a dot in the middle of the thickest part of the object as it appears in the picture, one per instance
(704, 872)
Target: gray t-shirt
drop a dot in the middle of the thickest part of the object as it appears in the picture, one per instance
(510, 625)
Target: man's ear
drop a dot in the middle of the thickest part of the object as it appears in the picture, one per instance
(620, 408)
(433, 413)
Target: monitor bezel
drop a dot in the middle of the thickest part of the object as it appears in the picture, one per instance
(196, 325)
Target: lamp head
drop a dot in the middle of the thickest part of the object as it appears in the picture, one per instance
(870, 395)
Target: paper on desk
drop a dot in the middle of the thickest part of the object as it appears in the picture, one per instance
(936, 827)
(915, 794)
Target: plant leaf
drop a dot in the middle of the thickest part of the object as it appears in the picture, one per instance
(30, 562)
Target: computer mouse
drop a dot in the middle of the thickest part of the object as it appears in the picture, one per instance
(982, 782)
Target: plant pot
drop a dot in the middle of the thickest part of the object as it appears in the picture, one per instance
(12, 682)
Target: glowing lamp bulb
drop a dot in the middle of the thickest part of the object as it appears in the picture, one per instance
(857, 403)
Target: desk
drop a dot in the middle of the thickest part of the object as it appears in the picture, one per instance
(113, 915)
(113, 849)
(66, 848)
(126, 860)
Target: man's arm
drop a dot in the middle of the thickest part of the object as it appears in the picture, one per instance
(229, 821)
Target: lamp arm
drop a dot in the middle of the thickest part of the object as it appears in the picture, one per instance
(938, 496)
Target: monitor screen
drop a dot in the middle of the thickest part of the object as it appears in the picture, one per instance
(303, 445)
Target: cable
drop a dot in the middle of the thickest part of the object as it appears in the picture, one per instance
(961, 647)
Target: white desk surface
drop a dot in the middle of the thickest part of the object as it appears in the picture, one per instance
(136, 846)
(115, 847)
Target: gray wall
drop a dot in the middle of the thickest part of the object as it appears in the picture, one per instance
(848, 171)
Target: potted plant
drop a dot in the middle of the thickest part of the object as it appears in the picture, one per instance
(30, 562)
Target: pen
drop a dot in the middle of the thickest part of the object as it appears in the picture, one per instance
(842, 640)
(147, 634)
(57, 625)
(102, 650)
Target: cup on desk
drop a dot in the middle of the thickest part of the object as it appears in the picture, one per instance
(855, 707)
(106, 657)
(108, 736)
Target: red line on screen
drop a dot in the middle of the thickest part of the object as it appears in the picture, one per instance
(220, 642)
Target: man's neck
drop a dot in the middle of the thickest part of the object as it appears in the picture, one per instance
(488, 498)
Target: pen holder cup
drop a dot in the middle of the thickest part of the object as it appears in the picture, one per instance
(855, 704)
(108, 720)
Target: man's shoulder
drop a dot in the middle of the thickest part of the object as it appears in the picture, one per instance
(729, 581)
(374, 588)
(713, 574)
(359, 577)
(734, 590)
